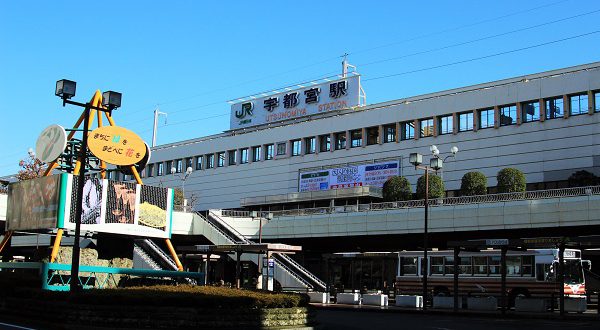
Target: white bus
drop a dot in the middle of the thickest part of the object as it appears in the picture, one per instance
(528, 273)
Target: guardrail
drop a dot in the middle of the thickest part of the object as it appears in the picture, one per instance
(479, 199)
(56, 277)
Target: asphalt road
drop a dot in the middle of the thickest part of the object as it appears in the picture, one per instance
(373, 320)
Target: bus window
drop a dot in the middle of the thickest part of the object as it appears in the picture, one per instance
(526, 265)
(408, 266)
(437, 265)
(449, 265)
(465, 265)
(573, 273)
(480, 266)
(544, 272)
(513, 265)
(494, 263)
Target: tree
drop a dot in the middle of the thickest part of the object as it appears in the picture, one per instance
(178, 200)
(511, 180)
(397, 188)
(31, 167)
(583, 179)
(473, 183)
(436, 187)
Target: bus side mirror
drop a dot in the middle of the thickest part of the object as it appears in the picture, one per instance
(586, 264)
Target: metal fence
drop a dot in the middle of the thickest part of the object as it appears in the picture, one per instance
(491, 198)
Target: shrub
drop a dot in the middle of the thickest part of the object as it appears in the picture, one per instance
(397, 188)
(511, 180)
(436, 187)
(583, 179)
(473, 183)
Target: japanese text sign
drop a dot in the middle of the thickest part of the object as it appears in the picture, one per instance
(116, 145)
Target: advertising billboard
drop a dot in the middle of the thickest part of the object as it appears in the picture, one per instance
(120, 208)
(373, 175)
(332, 95)
(33, 204)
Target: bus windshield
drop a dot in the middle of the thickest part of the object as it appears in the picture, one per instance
(573, 272)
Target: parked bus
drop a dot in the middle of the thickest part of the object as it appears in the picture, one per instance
(529, 273)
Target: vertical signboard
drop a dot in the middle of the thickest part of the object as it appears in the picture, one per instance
(33, 204)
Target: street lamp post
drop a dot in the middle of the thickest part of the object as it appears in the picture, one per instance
(182, 177)
(435, 164)
(436, 153)
(65, 89)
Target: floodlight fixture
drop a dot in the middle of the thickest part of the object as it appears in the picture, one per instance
(415, 158)
(111, 100)
(65, 89)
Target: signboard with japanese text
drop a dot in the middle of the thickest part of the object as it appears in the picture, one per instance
(119, 208)
(373, 175)
(295, 103)
(116, 145)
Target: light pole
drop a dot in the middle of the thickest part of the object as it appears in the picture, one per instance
(182, 177)
(436, 153)
(65, 89)
(435, 164)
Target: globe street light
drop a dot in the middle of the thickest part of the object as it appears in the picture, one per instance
(182, 177)
(435, 164)
(436, 153)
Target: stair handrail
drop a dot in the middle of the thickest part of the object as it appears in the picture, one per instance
(234, 231)
(215, 227)
(147, 258)
(160, 252)
(301, 268)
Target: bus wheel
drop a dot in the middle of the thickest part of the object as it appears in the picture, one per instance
(517, 293)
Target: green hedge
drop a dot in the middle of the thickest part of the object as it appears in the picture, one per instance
(473, 183)
(397, 188)
(436, 187)
(174, 296)
(511, 180)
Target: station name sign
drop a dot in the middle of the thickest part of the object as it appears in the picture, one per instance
(331, 95)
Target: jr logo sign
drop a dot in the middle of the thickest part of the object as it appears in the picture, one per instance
(245, 110)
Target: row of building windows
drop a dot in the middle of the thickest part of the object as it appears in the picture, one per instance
(530, 111)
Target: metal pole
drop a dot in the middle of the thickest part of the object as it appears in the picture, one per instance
(425, 267)
(456, 265)
(74, 285)
(503, 279)
(260, 230)
(155, 127)
(561, 277)
(183, 193)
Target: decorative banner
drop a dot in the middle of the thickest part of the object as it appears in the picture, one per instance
(33, 204)
(350, 176)
(116, 145)
(332, 95)
(51, 143)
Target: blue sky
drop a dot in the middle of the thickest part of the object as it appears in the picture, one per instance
(190, 57)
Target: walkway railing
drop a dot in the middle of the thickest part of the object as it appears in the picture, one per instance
(491, 198)
(56, 277)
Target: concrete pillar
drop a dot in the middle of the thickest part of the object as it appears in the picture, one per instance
(455, 123)
(475, 120)
(542, 110)
(496, 116)
(417, 129)
(398, 132)
(567, 106)
(331, 142)
(363, 132)
(348, 140)
(591, 103)
(519, 114)
(381, 134)
(436, 125)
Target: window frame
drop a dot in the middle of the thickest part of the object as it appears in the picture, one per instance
(340, 140)
(547, 104)
(221, 159)
(327, 142)
(269, 151)
(449, 123)
(310, 146)
(199, 163)
(232, 157)
(524, 115)
(389, 133)
(281, 148)
(356, 138)
(422, 134)
(244, 156)
(407, 127)
(210, 161)
(469, 120)
(296, 146)
(511, 109)
(372, 135)
(487, 111)
(256, 153)
(579, 96)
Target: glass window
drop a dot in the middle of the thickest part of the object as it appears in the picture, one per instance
(296, 147)
(527, 265)
(486, 118)
(179, 165)
(449, 265)
(445, 125)
(508, 115)
(408, 265)
(169, 166)
(310, 145)
(325, 142)
(407, 130)
(340, 140)
(465, 266)
(437, 265)
(232, 157)
(373, 135)
(426, 127)
(199, 162)
(597, 102)
(465, 121)
(554, 108)
(160, 169)
(256, 151)
(356, 138)
(389, 133)
(579, 104)
(269, 151)
(494, 265)
(210, 161)
(244, 156)
(513, 265)
(221, 159)
(281, 148)
(480, 266)
(530, 111)
(150, 170)
(188, 163)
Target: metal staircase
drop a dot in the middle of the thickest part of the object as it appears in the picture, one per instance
(152, 256)
(288, 272)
